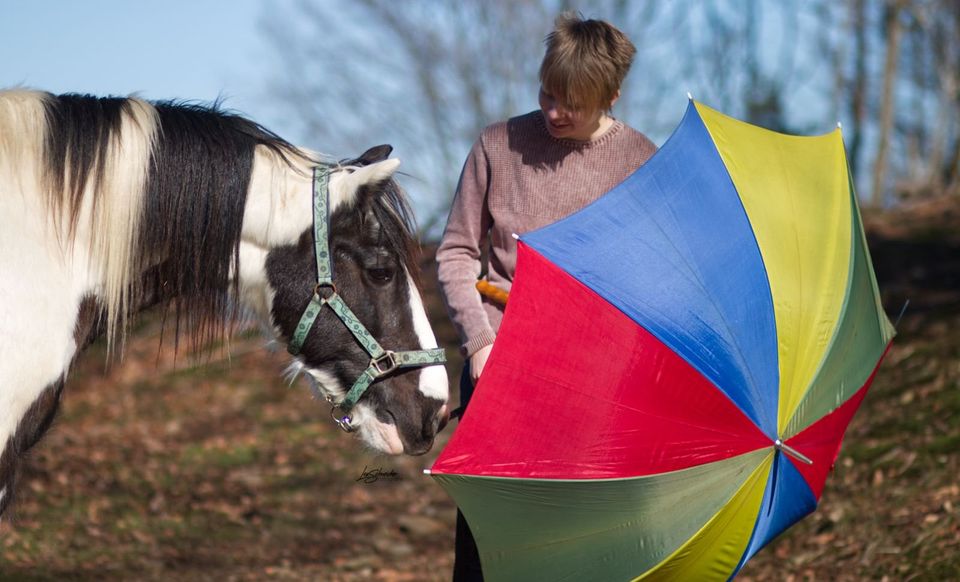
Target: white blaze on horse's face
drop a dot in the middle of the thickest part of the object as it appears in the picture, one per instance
(433, 379)
(385, 437)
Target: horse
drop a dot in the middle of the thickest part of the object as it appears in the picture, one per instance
(113, 205)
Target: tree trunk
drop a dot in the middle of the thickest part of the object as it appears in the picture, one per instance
(894, 30)
(858, 101)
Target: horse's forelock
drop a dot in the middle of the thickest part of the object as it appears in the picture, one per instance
(373, 187)
(392, 208)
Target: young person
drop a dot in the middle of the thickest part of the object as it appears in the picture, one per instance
(527, 172)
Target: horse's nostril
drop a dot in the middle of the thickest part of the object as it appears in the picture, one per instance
(419, 450)
(435, 424)
(443, 417)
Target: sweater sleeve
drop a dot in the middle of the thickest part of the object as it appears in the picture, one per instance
(458, 256)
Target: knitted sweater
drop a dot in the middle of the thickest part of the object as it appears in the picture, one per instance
(518, 178)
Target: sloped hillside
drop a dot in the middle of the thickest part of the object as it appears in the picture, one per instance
(166, 469)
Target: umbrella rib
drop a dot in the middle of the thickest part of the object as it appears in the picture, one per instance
(856, 230)
(695, 278)
(799, 266)
(560, 384)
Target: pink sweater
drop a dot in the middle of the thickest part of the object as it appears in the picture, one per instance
(518, 178)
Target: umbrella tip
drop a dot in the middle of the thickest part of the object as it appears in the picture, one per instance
(902, 311)
(515, 236)
(426, 471)
(839, 125)
(689, 96)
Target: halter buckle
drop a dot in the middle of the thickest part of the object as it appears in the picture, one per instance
(384, 364)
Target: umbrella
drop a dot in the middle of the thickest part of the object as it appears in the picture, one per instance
(676, 366)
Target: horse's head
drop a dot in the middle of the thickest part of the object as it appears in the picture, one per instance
(373, 255)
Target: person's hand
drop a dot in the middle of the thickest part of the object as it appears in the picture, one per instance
(477, 361)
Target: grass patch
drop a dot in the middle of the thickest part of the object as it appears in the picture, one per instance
(948, 444)
(220, 457)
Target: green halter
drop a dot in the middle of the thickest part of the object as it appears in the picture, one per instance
(382, 361)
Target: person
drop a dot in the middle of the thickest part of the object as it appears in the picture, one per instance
(527, 172)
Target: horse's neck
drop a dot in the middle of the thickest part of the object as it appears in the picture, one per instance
(255, 292)
(279, 203)
(280, 200)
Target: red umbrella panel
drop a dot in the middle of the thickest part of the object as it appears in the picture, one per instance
(676, 366)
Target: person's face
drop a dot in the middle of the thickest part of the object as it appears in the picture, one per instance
(564, 122)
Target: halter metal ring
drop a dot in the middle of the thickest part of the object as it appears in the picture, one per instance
(342, 421)
(329, 285)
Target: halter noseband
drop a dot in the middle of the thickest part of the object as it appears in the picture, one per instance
(382, 362)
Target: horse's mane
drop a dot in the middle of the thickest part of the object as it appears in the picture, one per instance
(194, 206)
(165, 179)
(160, 188)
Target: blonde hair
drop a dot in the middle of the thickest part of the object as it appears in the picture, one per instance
(585, 62)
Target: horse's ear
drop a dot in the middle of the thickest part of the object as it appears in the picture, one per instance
(372, 156)
(351, 183)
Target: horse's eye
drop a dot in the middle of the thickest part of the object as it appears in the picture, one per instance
(381, 274)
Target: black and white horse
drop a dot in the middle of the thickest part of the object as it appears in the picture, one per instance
(111, 205)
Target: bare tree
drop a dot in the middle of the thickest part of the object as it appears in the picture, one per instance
(424, 76)
(428, 76)
(941, 18)
(858, 84)
(919, 106)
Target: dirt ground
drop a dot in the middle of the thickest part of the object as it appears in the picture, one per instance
(169, 469)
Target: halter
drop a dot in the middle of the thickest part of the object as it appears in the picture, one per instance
(382, 362)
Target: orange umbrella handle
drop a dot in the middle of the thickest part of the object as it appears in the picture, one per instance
(492, 292)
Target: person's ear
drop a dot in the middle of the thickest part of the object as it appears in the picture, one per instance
(614, 100)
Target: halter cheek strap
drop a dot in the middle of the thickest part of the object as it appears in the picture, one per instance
(382, 362)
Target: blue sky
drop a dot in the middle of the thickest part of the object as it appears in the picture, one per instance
(205, 49)
(197, 49)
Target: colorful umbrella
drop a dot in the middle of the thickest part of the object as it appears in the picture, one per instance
(676, 367)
